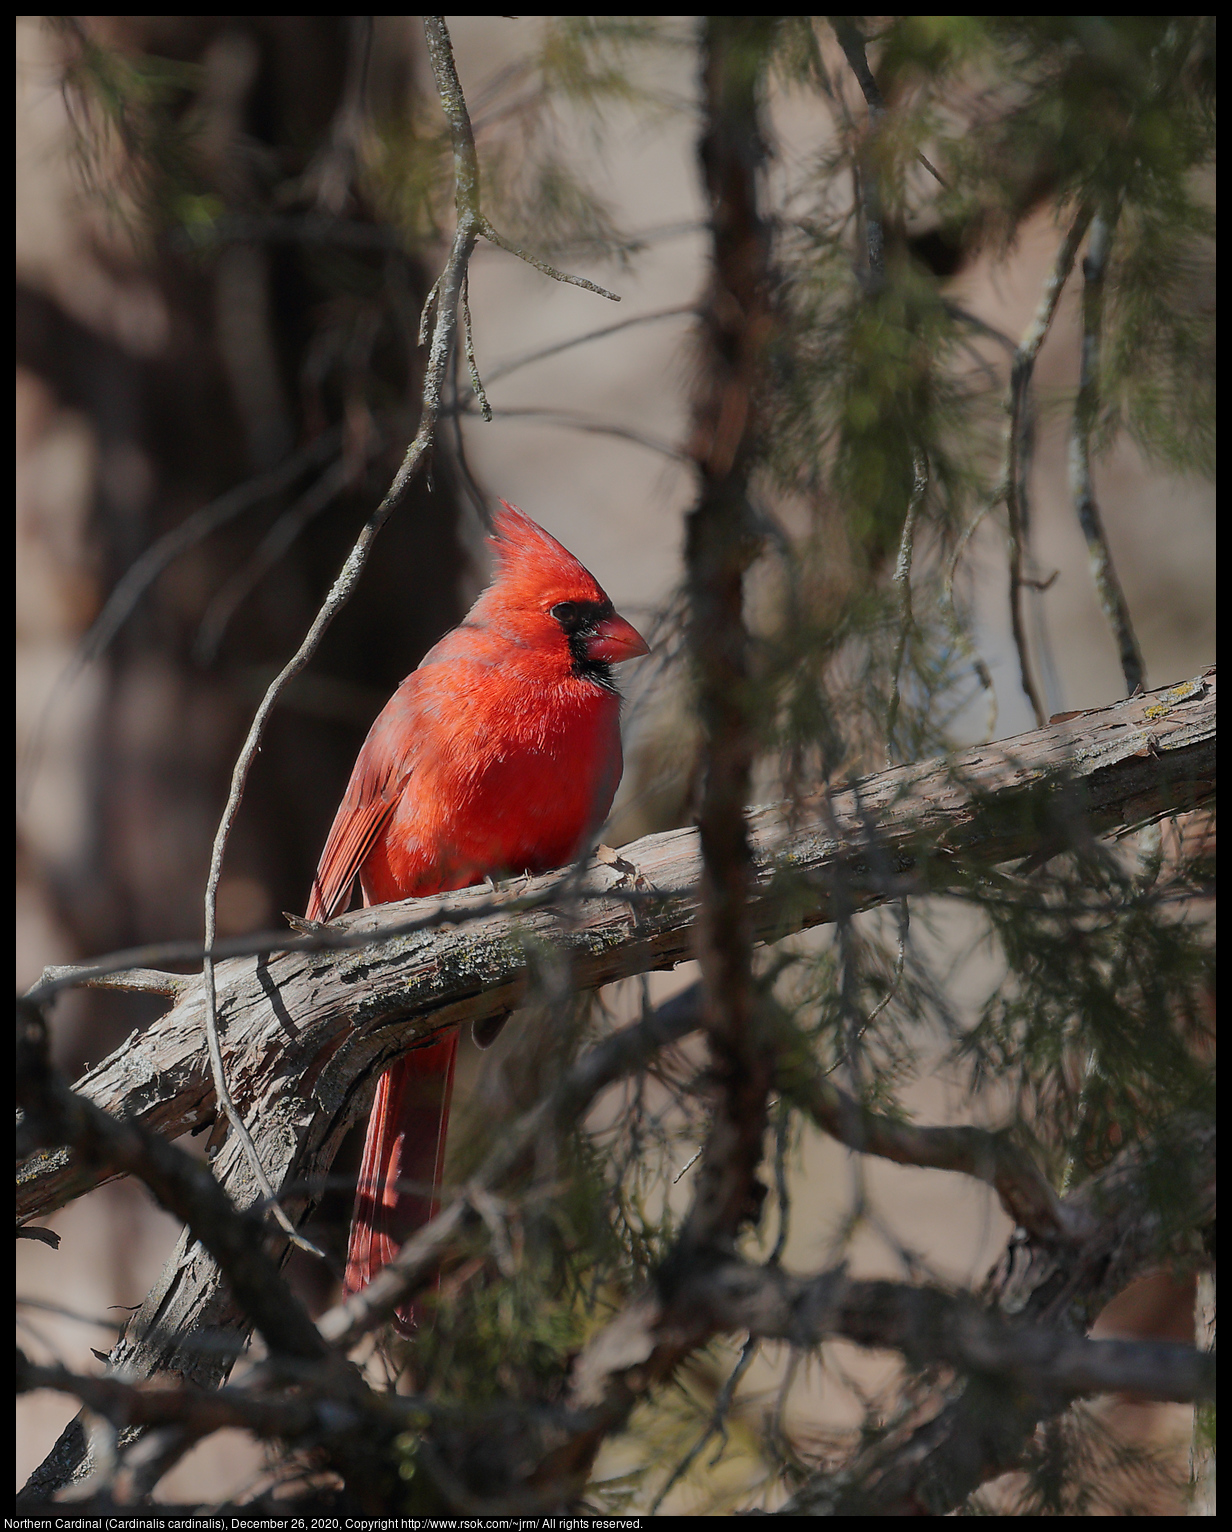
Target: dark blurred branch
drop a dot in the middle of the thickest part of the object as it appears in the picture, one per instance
(138, 578)
(852, 42)
(992, 1157)
(203, 1410)
(1121, 1232)
(720, 544)
(1019, 438)
(1086, 419)
(929, 1326)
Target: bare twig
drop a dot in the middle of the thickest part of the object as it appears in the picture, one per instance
(852, 42)
(1086, 416)
(902, 579)
(268, 552)
(141, 574)
(490, 234)
(959, 633)
(678, 311)
(468, 340)
(716, 1423)
(576, 422)
(1018, 437)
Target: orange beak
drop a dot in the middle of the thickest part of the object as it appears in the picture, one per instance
(615, 640)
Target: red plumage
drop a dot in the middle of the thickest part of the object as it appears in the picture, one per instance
(499, 754)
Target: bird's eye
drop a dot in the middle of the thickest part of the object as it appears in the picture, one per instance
(566, 613)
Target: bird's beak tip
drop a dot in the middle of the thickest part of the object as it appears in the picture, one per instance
(616, 640)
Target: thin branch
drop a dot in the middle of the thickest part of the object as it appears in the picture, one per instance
(142, 573)
(268, 552)
(852, 42)
(1018, 440)
(988, 1156)
(468, 341)
(140, 981)
(902, 579)
(716, 1423)
(624, 1053)
(678, 311)
(490, 234)
(43, 1236)
(1086, 416)
(957, 631)
(577, 422)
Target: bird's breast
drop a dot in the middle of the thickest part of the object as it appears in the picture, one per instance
(508, 779)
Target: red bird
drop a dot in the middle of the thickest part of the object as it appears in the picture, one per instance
(499, 754)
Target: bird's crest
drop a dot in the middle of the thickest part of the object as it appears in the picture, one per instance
(529, 561)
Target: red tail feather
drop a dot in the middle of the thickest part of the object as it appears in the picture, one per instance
(403, 1157)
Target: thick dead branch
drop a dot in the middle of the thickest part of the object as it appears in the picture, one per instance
(1024, 1353)
(55, 1115)
(306, 1033)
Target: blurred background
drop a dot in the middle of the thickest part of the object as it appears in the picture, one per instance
(249, 385)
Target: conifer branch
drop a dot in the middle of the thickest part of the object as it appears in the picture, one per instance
(1086, 416)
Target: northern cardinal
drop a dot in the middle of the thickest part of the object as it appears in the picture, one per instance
(499, 754)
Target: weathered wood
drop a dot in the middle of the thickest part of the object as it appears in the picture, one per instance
(305, 1035)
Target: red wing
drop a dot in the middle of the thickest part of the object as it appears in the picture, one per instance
(370, 799)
